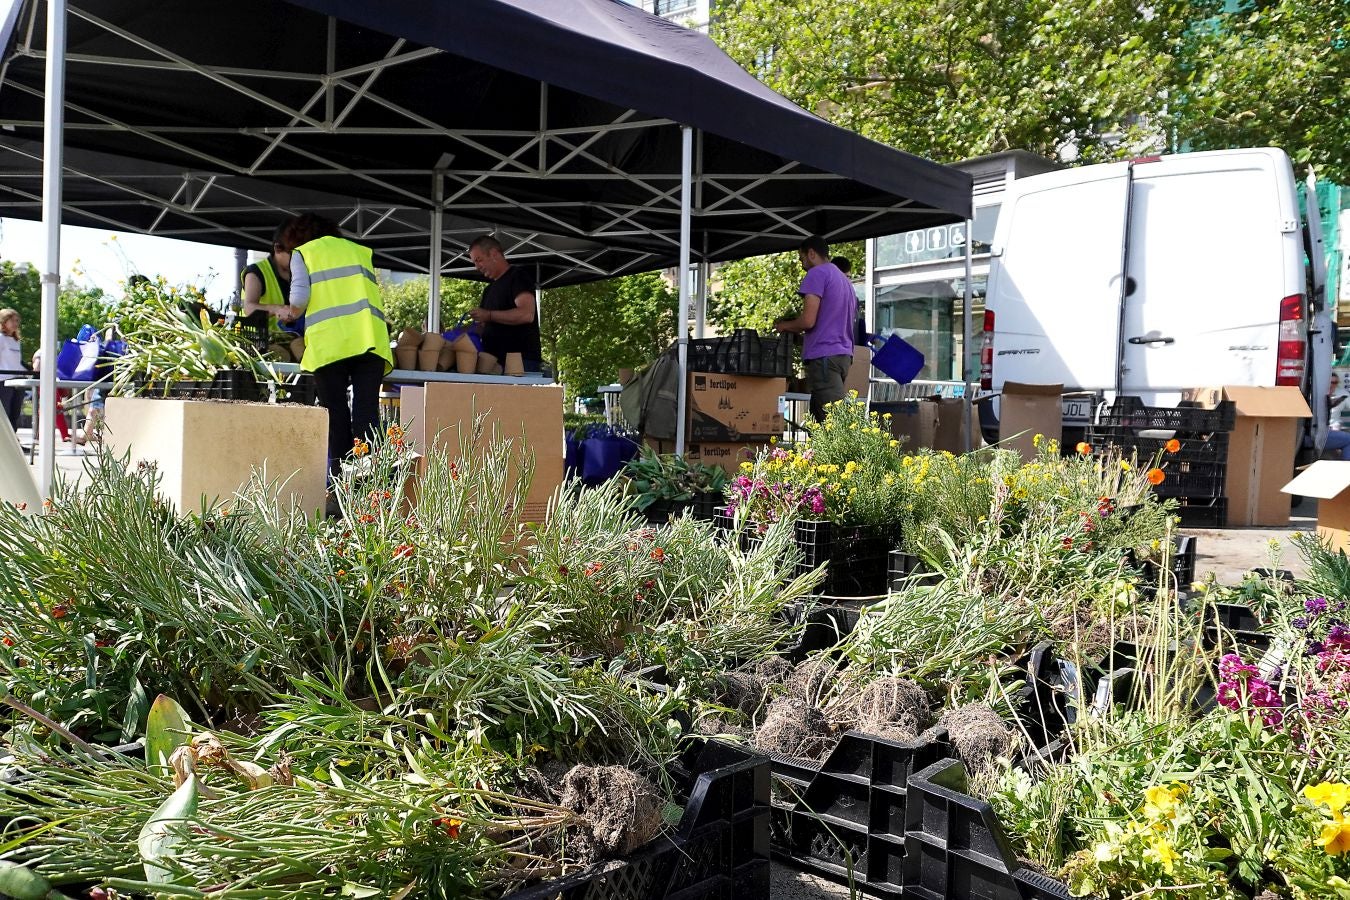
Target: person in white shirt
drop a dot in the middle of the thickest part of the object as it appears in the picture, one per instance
(11, 366)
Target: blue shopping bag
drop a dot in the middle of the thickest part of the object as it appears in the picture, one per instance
(604, 457)
(461, 328)
(78, 360)
(896, 357)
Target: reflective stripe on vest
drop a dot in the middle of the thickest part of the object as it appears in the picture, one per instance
(271, 293)
(344, 318)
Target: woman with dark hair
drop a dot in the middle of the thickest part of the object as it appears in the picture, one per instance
(346, 339)
(266, 285)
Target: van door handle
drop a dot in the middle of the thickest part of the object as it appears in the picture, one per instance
(1149, 340)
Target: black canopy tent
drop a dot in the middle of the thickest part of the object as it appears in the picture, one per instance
(601, 139)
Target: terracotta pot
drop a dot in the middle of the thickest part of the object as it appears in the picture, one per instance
(406, 357)
(432, 341)
(298, 348)
(428, 359)
(515, 364)
(488, 365)
(466, 361)
(410, 338)
(463, 342)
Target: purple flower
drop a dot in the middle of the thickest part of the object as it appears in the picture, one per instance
(1232, 667)
(1300, 623)
(1315, 604)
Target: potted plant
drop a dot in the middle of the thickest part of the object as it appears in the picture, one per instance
(666, 485)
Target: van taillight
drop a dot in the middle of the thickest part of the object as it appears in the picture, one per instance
(987, 352)
(1292, 347)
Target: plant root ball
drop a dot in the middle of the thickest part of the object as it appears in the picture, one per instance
(979, 736)
(811, 680)
(894, 708)
(622, 808)
(794, 728)
(741, 691)
(772, 670)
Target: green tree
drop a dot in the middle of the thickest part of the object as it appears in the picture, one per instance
(77, 306)
(21, 291)
(590, 331)
(1270, 74)
(752, 293)
(406, 302)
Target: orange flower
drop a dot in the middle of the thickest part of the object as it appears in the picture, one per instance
(395, 433)
(1155, 476)
(360, 447)
(1172, 446)
(59, 611)
(451, 827)
(1084, 448)
(658, 554)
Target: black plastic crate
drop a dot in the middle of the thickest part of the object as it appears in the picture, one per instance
(1195, 448)
(235, 384)
(1201, 481)
(720, 849)
(907, 569)
(857, 556)
(845, 818)
(303, 389)
(1129, 412)
(823, 627)
(1203, 512)
(1180, 564)
(743, 352)
(955, 847)
(1239, 621)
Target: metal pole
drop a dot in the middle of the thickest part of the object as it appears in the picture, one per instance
(967, 439)
(701, 301)
(437, 223)
(686, 196)
(55, 96)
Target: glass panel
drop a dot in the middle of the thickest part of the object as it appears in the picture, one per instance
(927, 314)
(943, 242)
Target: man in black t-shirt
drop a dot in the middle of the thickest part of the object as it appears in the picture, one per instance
(507, 311)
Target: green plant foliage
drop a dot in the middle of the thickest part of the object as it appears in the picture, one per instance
(653, 476)
(406, 302)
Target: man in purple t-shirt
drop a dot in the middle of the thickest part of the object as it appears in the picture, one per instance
(829, 307)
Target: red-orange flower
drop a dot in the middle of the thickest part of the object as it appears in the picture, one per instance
(360, 447)
(60, 611)
(1172, 446)
(658, 554)
(403, 551)
(1155, 476)
(7, 641)
(451, 826)
(1084, 448)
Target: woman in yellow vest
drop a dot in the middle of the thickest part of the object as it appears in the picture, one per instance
(346, 339)
(266, 284)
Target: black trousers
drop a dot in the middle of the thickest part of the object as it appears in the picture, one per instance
(11, 402)
(363, 375)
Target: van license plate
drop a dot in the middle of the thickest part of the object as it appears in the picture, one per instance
(1077, 410)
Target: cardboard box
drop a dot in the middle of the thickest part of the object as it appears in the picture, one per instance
(529, 414)
(209, 449)
(1026, 410)
(1261, 449)
(725, 455)
(727, 408)
(860, 373)
(1327, 480)
(913, 422)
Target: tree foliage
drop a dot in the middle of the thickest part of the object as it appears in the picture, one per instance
(75, 305)
(1107, 78)
(752, 293)
(590, 331)
(406, 302)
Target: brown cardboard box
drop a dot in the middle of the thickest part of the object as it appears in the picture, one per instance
(726, 456)
(914, 423)
(734, 407)
(1327, 480)
(528, 413)
(1027, 410)
(860, 373)
(1261, 449)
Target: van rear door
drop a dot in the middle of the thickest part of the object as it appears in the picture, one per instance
(1054, 282)
(1214, 247)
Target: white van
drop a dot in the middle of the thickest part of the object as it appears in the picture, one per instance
(1148, 277)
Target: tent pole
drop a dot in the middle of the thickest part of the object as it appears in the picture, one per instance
(437, 223)
(701, 301)
(52, 145)
(686, 196)
(967, 439)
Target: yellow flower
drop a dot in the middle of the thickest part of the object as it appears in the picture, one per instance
(895, 443)
(1334, 795)
(1335, 837)
(1163, 853)
(1161, 802)
(1036, 439)
(1124, 466)
(747, 466)
(850, 467)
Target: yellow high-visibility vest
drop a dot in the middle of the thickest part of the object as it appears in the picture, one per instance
(271, 294)
(344, 317)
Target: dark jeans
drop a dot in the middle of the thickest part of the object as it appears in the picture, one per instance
(363, 374)
(825, 380)
(11, 402)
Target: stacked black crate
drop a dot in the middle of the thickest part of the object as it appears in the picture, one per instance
(1195, 467)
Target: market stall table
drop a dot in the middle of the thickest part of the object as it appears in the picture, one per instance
(76, 387)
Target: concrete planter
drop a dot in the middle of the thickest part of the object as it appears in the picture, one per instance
(209, 448)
